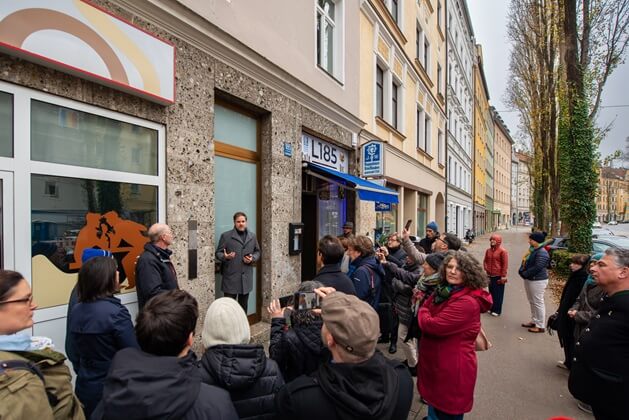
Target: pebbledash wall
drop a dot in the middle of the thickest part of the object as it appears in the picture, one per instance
(188, 127)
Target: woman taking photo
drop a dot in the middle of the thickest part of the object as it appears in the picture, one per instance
(450, 322)
(29, 362)
(99, 326)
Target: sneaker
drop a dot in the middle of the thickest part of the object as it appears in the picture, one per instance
(584, 407)
(494, 314)
(562, 365)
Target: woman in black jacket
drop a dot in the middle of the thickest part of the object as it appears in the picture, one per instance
(296, 343)
(231, 363)
(564, 323)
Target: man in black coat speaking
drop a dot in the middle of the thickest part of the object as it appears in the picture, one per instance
(237, 251)
(154, 271)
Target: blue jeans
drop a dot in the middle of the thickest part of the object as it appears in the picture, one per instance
(497, 293)
(434, 414)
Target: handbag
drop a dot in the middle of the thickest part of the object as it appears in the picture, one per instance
(551, 324)
(482, 342)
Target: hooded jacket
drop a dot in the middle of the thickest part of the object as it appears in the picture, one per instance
(496, 260)
(144, 386)
(245, 372)
(298, 350)
(447, 359)
(367, 279)
(377, 389)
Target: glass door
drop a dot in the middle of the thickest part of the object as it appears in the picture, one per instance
(7, 254)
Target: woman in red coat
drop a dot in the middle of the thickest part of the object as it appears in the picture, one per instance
(450, 322)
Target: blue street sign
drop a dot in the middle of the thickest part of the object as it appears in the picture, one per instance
(288, 150)
(383, 206)
(373, 159)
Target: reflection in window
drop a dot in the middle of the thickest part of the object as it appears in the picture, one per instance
(85, 214)
(332, 209)
(6, 124)
(325, 34)
(422, 214)
(64, 135)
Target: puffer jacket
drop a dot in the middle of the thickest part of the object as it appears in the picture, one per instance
(586, 305)
(496, 260)
(402, 281)
(367, 279)
(245, 372)
(298, 350)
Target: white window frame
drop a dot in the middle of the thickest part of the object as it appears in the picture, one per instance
(400, 11)
(338, 36)
(420, 132)
(22, 168)
(428, 132)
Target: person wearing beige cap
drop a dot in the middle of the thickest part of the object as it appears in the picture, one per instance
(359, 382)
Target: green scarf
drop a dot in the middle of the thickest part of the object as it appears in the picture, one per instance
(444, 290)
(531, 249)
(426, 282)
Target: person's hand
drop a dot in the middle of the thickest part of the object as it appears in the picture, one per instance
(405, 234)
(572, 313)
(384, 250)
(247, 259)
(381, 257)
(275, 310)
(229, 255)
(324, 291)
(502, 281)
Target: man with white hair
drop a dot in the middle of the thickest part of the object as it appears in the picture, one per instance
(154, 271)
(600, 368)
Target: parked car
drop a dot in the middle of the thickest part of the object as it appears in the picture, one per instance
(601, 232)
(604, 242)
(597, 225)
(612, 223)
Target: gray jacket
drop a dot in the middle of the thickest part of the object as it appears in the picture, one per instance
(411, 251)
(237, 276)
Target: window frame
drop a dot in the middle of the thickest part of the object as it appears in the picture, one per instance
(380, 72)
(338, 34)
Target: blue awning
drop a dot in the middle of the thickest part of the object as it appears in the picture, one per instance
(367, 190)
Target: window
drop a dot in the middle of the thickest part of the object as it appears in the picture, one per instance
(6, 124)
(421, 134)
(419, 42)
(422, 214)
(439, 14)
(394, 104)
(427, 133)
(326, 35)
(50, 189)
(441, 148)
(379, 92)
(439, 78)
(426, 62)
(393, 6)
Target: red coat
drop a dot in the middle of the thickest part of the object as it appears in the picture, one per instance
(496, 260)
(447, 355)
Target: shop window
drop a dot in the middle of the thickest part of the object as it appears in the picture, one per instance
(85, 213)
(6, 124)
(422, 214)
(72, 137)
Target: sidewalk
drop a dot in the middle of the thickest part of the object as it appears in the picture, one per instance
(517, 378)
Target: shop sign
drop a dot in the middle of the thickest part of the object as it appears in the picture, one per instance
(373, 159)
(323, 153)
(383, 206)
(76, 37)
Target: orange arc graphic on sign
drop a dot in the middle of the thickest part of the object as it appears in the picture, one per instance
(16, 27)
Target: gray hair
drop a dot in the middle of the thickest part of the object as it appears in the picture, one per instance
(309, 286)
(621, 256)
(156, 231)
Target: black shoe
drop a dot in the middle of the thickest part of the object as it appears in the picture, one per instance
(392, 348)
(383, 339)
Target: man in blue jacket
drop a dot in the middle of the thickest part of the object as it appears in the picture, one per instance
(533, 271)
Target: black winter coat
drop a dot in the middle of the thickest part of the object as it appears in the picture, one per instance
(297, 350)
(332, 276)
(377, 389)
(245, 372)
(154, 273)
(600, 370)
(143, 386)
(426, 243)
(569, 295)
(402, 281)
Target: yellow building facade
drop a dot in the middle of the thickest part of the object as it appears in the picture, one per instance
(402, 102)
(613, 193)
(481, 136)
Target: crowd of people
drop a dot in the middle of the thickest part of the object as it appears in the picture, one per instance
(424, 298)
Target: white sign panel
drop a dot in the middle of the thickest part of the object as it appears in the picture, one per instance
(76, 37)
(323, 153)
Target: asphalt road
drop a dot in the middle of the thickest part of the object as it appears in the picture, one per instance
(518, 377)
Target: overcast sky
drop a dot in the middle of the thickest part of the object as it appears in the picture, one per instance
(489, 18)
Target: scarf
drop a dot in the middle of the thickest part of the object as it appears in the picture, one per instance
(422, 290)
(24, 342)
(444, 290)
(528, 254)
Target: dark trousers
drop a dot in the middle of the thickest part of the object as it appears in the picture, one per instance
(497, 293)
(388, 322)
(242, 299)
(567, 342)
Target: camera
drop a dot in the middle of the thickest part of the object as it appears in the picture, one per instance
(304, 301)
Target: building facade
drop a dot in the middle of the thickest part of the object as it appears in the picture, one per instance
(503, 151)
(613, 192)
(186, 116)
(460, 98)
(524, 188)
(481, 137)
(402, 102)
(514, 187)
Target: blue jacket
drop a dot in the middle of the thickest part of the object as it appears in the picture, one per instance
(534, 268)
(97, 331)
(368, 268)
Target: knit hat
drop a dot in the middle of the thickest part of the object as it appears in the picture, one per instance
(538, 237)
(89, 253)
(225, 323)
(435, 259)
(353, 323)
(433, 226)
(348, 225)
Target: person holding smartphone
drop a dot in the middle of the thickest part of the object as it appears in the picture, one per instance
(237, 251)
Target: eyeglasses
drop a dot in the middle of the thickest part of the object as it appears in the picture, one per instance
(28, 299)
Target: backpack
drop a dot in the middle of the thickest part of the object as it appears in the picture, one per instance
(37, 384)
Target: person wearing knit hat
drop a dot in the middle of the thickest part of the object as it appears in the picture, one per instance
(432, 233)
(533, 271)
(360, 382)
(233, 364)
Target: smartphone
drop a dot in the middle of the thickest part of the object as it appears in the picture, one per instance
(286, 301)
(304, 301)
(407, 226)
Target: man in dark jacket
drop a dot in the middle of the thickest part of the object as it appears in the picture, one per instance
(432, 233)
(600, 367)
(533, 271)
(162, 380)
(154, 271)
(360, 383)
(330, 253)
(238, 251)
